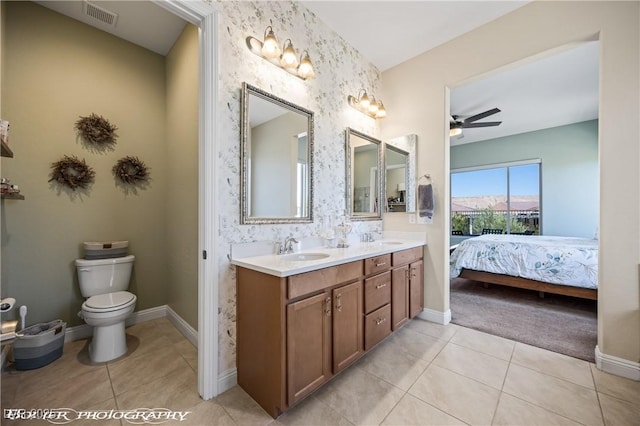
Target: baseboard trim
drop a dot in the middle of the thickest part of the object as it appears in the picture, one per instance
(618, 366)
(227, 380)
(184, 327)
(438, 317)
(85, 331)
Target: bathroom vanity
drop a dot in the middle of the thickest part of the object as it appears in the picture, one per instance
(303, 318)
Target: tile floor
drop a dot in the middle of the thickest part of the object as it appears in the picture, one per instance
(425, 374)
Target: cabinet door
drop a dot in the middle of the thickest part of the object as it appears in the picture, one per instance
(416, 288)
(308, 345)
(399, 296)
(347, 325)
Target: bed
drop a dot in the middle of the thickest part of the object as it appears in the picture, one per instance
(559, 265)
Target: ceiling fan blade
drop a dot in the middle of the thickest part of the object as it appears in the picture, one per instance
(485, 124)
(482, 115)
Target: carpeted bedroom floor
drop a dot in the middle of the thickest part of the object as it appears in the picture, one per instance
(562, 324)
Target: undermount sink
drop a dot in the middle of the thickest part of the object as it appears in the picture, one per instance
(301, 257)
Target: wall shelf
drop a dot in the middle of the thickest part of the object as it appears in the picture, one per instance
(12, 196)
(6, 151)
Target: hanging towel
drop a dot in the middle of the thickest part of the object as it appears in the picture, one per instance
(425, 201)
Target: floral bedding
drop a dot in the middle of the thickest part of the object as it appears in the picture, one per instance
(556, 260)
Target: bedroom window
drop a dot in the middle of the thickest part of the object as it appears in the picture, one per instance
(501, 198)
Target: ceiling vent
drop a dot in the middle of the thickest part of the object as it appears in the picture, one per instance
(100, 13)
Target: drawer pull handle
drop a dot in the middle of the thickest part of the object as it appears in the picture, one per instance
(339, 302)
(380, 321)
(328, 307)
(380, 264)
(381, 285)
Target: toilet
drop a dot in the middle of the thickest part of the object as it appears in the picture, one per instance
(104, 283)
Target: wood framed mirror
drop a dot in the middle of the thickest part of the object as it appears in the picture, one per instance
(276, 159)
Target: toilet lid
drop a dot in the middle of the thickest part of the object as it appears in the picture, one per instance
(109, 300)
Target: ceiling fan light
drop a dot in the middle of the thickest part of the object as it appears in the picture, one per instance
(455, 131)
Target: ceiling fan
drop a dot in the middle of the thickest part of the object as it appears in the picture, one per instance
(456, 124)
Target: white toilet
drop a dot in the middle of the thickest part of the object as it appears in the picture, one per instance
(104, 282)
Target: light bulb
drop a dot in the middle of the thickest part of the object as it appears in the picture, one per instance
(289, 59)
(382, 113)
(364, 101)
(373, 106)
(270, 48)
(305, 69)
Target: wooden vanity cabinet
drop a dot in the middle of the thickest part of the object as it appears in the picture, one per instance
(295, 333)
(406, 286)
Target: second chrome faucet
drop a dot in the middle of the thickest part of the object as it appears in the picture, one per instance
(287, 246)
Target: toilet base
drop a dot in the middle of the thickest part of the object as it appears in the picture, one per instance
(108, 343)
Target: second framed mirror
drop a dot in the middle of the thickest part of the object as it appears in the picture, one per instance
(363, 166)
(400, 174)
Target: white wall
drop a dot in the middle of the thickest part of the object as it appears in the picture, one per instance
(340, 71)
(416, 97)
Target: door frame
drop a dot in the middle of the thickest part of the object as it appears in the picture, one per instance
(204, 16)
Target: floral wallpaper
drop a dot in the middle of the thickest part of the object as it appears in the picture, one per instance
(340, 70)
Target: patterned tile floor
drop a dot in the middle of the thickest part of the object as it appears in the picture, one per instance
(425, 374)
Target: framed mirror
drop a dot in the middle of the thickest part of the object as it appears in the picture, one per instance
(400, 174)
(364, 186)
(276, 164)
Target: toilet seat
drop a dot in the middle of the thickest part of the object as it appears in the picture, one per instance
(109, 302)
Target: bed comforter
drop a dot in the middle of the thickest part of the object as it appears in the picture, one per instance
(556, 260)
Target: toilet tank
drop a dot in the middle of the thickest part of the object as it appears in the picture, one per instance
(102, 276)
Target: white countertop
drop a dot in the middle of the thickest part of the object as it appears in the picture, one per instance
(284, 266)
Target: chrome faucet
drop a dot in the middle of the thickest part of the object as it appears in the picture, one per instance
(367, 237)
(287, 246)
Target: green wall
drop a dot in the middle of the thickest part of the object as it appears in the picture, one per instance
(570, 176)
(55, 70)
(182, 175)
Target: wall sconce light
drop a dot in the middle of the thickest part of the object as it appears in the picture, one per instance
(367, 105)
(287, 58)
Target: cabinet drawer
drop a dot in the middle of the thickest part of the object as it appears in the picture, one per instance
(407, 256)
(377, 326)
(374, 265)
(377, 291)
(309, 282)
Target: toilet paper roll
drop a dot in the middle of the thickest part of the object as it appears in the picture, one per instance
(6, 304)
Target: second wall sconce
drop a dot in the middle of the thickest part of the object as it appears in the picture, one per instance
(367, 105)
(287, 58)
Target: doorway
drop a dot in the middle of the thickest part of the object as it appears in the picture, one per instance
(203, 16)
(532, 124)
